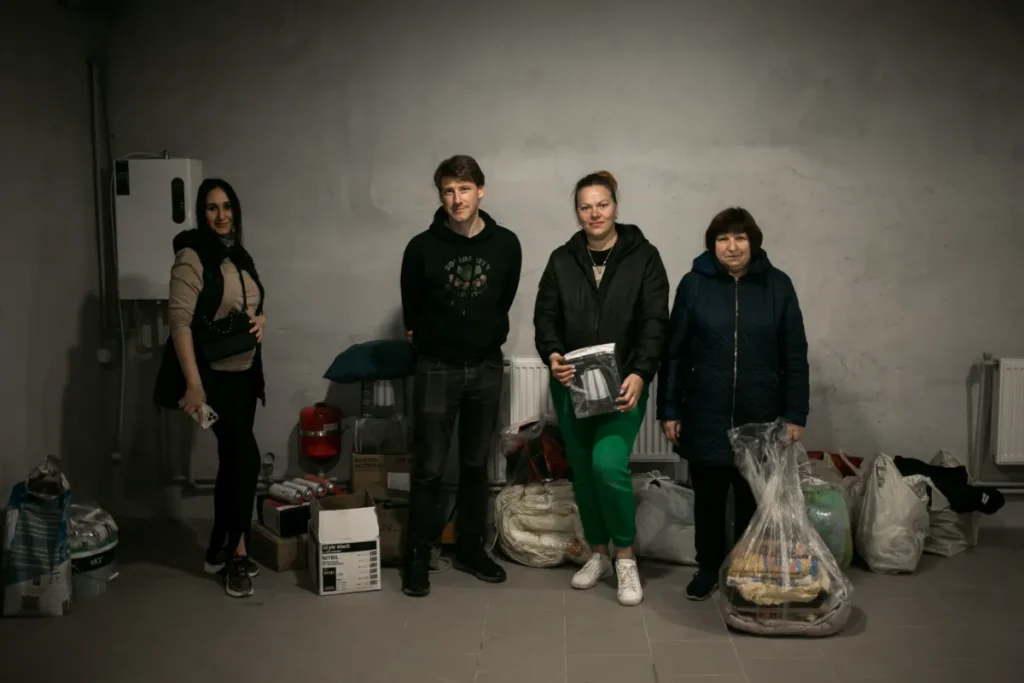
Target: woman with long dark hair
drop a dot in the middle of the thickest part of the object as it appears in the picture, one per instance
(606, 285)
(213, 359)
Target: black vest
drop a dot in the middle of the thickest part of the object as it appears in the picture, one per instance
(170, 380)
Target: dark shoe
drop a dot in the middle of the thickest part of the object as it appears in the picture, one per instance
(702, 585)
(237, 583)
(251, 568)
(214, 564)
(416, 574)
(473, 559)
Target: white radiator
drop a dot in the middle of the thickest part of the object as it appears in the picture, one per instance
(529, 396)
(1009, 412)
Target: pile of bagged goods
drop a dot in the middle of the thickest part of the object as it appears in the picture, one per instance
(55, 553)
(816, 513)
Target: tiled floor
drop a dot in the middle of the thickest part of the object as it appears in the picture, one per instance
(957, 620)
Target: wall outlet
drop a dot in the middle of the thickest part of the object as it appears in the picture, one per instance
(104, 356)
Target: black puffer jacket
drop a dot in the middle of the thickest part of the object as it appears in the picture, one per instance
(630, 308)
(736, 354)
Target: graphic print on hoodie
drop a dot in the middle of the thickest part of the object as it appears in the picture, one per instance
(457, 290)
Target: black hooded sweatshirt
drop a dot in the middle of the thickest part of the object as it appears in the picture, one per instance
(457, 290)
(630, 308)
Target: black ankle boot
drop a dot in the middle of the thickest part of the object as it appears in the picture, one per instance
(470, 557)
(416, 573)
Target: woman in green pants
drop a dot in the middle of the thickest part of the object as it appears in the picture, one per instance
(606, 285)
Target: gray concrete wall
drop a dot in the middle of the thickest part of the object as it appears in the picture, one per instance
(55, 396)
(879, 144)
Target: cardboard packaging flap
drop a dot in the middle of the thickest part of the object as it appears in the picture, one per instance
(345, 518)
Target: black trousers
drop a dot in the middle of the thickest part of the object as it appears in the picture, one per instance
(233, 396)
(711, 486)
(442, 393)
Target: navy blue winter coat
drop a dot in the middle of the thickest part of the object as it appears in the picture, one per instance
(736, 353)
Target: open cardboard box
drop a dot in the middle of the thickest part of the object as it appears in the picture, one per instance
(344, 544)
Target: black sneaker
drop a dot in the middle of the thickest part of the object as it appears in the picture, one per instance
(416, 573)
(237, 583)
(214, 564)
(473, 559)
(702, 585)
(251, 568)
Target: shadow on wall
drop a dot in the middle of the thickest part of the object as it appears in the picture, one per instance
(89, 400)
(348, 399)
(831, 406)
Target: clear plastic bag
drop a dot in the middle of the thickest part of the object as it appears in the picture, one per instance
(539, 525)
(90, 527)
(780, 578)
(596, 382)
(893, 522)
(664, 520)
(950, 533)
(533, 451)
(827, 509)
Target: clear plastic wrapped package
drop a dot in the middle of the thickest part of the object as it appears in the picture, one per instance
(664, 519)
(780, 579)
(90, 528)
(596, 382)
(826, 503)
(539, 525)
(533, 451)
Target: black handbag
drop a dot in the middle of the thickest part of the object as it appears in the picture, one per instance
(229, 336)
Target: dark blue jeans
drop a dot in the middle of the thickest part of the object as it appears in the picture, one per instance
(443, 392)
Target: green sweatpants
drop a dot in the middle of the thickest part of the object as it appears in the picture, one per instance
(598, 450)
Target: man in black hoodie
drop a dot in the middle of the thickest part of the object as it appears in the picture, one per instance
(459, 279)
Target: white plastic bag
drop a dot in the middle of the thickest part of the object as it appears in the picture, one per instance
(893, 522)
(539, 524)
(595, 384)
(780, 579)
(664, 520)
(951, 533)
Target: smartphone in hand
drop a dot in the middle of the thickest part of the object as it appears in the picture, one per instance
(206, 416)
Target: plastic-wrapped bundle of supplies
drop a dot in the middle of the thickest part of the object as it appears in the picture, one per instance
(780, 578)
(537, 520)
(539, 524)
(827, 508)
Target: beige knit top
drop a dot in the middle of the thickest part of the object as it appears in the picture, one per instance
(187, 282)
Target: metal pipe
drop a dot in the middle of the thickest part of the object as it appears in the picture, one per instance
(96, 116)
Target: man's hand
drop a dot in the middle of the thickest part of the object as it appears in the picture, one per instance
(629, 393)
(408, 336)
(560, 370)
(672, 429)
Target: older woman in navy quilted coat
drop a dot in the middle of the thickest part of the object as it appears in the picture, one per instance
(736, 354)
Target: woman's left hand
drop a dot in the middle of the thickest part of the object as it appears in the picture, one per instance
(794, 432)
(629, 393)
(258, 321)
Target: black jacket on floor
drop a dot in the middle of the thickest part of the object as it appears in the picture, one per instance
(630, 309)
(736, 354)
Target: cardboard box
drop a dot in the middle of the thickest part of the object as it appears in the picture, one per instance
(275, 552)
(382, 476)
(344, 544)
(284, 519)
(393, 519)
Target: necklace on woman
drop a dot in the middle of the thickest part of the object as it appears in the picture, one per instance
(599, 269)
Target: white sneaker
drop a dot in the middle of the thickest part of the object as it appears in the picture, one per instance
(597, 567)
(630, 591)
